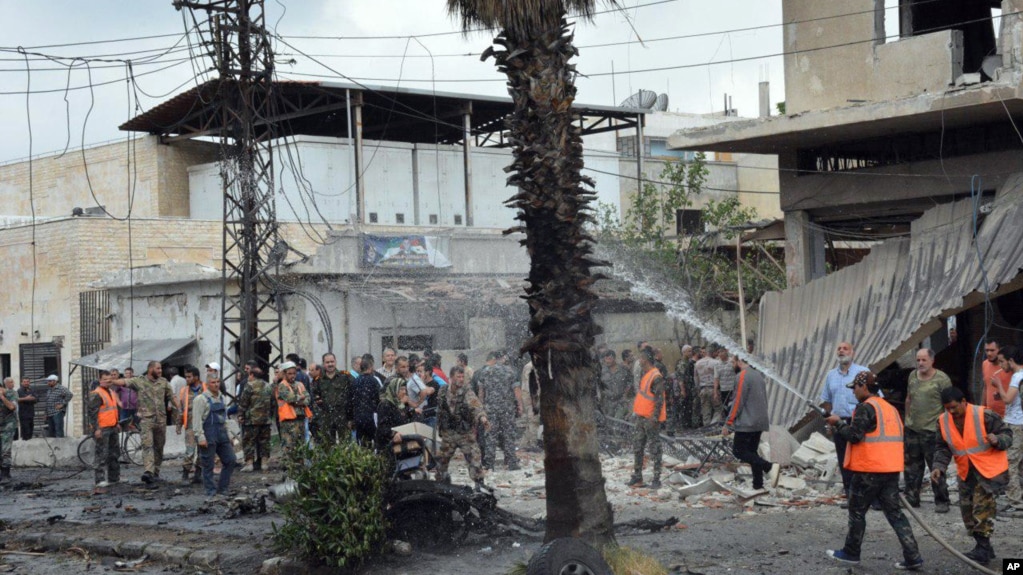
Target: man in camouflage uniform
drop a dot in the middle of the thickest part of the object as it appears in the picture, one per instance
(459, 411)
(649, 409)
(686, 376)
(155, 400)
(8, 426)
(193, 388)
(875, 458)
(292, 410)
(615, 386)
(255, 409)
(502, 400)
(103, 424)
(330, 399)
(977, 490)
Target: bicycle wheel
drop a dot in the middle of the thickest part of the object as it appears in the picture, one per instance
(131, 447)
(86, 450)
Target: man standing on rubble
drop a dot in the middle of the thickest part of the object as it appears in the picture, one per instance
(875, 459)
(977, 439)
(838, 399)
(923, 407)
(704, 368)
(650, 414)
(748, 417)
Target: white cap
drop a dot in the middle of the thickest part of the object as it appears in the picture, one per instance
(52, 378)
(287, 365)
(213, 365)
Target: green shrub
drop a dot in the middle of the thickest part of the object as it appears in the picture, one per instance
(337, 517)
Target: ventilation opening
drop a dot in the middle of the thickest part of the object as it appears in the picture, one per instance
(373, 217)
(458, 220)
(399, 218)
(689, 222)
(433, 219)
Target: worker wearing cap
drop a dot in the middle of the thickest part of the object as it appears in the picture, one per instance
(875, 458)
(292, 410)
(976, 438)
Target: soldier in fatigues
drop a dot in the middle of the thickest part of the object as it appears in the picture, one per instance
(875, 457)
(8, 426)
(502, 399)
(458, 412)
(331, 401)
(193, 388)
(976, 438)
(103, 424)
(255, 409)
(649, 408)
(292, 410)
(155, 400)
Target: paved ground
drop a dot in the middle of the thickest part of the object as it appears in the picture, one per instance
(785, 533)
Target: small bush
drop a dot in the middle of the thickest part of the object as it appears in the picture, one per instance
(337, 518)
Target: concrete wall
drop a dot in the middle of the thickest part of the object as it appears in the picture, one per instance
(833, 63)
(757, 174)
(720, 176)
(59, 182)
(316, 179)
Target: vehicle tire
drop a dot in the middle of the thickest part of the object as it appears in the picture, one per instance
(86, 450)
(131, 448)
(568, 556)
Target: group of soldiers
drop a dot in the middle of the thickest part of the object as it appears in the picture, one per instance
(698, 391)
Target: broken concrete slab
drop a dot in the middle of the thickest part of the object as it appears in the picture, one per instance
(782, 445)
(708, 485)
(786, 482)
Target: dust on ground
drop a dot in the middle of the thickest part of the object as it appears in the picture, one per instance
(786, 531)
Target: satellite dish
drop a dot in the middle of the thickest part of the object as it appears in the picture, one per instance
(991, 65)
(644, 99)
(661, 105)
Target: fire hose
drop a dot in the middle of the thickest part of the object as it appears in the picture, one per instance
(941, 541)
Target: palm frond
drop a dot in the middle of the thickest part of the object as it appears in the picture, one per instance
(519, 16)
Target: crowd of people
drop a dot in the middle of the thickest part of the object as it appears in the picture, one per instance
(473, 411)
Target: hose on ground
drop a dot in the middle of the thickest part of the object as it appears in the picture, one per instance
(942, 542)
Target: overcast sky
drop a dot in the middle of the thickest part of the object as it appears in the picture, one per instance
(59, 119)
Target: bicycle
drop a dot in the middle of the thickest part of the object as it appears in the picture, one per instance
(130, 444)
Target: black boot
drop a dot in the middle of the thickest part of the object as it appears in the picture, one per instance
(982, 552)
(257, 465)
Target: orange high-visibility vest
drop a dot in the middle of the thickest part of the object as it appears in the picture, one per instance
(971, 445)
(881, 450)
(643, 405)
(108, 410)
(285, 412)
(185, 396)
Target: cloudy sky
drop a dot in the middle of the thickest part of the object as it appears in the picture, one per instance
(376, 42)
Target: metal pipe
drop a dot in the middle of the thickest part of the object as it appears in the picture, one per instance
(360, 190)
(467, 162)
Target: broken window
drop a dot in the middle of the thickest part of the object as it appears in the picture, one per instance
(689, 222)
(976, 20)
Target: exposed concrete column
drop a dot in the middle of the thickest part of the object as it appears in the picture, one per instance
(804, 249)
(360, 189)
(415, 184)
(765, 99)
(467, 161)
(639, 153)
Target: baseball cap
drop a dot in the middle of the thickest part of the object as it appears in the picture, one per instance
(865, 378)
(287, 365)
(213, 365)
(52, 378)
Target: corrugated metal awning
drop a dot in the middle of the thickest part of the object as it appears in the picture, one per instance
(893, 299)
(137, 354)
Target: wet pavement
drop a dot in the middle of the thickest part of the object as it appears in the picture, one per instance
(784, 532)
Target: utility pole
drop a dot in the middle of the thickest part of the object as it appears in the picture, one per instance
(240, 47)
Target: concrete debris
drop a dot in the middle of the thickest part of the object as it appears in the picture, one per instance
(781, 445)
(708, 485)
(818, 451)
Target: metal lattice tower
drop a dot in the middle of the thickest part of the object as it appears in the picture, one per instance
(240, 47)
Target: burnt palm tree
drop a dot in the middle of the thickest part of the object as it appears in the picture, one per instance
(533, 49)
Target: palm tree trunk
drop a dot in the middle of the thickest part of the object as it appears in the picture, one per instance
(553, 208)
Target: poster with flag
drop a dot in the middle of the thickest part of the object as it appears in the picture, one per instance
(404, 252)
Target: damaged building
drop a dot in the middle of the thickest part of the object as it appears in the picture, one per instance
(901, 128)
(394, 229)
